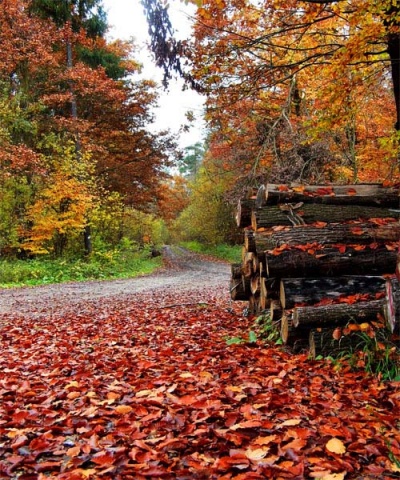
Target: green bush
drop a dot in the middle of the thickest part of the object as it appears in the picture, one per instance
(118, 263)
(230, 253)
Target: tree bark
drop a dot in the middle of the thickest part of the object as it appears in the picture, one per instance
(330, 262)
(243, 212)
(290, 334)
(288, 214)
(338, 314)
(359, 194)
(310, 291)
(337, 233)
(237, 290)
(249, 243)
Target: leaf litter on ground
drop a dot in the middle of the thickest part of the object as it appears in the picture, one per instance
(147, 387)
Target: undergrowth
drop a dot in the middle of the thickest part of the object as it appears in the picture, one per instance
(230, 253)
(118, 263)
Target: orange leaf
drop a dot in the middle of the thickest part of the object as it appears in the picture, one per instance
(283, 188)
(357, 231)
(74, 451)
(122, 409)
(103, 458)
(351, 191)
(337, 333)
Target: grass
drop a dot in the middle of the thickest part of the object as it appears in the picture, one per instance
(224, 252)
(100, 266)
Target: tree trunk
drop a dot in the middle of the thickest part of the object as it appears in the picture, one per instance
(301, 214)
(310, 291)
(338, 314)
(360, 194)
(330, 262)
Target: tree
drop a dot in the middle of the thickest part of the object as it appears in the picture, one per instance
(47, 102)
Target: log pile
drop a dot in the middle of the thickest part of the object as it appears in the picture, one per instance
(318, 258)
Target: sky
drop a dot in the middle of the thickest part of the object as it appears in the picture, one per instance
(127, 20)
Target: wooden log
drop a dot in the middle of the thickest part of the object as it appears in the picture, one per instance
(290, 334)
(330, 262)
(243, 212)
(275, 310)
(249, 243)
(254, 305)
(393, 304)
(237, 291)
(338, 314)
(246, 285)
(247, 265)
(322, 343)
(236, 270)
(310, 291)
(333, 233)
(359, 194)
(255, 284)
(288, 214)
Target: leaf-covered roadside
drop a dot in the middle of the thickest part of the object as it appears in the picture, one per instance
(148, 388)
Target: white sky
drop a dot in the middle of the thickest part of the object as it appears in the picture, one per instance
(127, 20)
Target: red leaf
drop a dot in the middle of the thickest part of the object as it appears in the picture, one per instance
(103, 458)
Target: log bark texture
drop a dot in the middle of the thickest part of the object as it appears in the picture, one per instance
(335, 233)
(330, 262)
(297, 214)
(338, 314)
(310, 291)
(359, 194)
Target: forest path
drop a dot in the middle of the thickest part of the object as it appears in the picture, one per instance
(182, 271)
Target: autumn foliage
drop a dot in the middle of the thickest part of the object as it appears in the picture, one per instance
(73, 125)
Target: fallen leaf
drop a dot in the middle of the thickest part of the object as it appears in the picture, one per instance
(123, 409)
(335, 445)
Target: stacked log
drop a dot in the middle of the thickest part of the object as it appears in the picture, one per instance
(316, 258)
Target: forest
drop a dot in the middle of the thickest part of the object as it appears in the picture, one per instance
(167, 376)
(295, 92)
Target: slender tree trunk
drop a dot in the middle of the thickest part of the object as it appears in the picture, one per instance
(394, 54)
(87, 242)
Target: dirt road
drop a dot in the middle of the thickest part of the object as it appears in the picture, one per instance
(182, 271)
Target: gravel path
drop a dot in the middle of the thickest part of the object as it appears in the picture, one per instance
(183, 271)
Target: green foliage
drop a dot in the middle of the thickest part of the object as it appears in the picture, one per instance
(123, 262)
(252, 338)
(231, 253)
(268, 329)
(375, 353)
(379, 356)
(209, 218)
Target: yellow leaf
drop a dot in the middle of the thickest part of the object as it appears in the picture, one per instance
(122, 409)
(394, 467)
(73, 395)
(73, 384)
(257, 454)
(333, 476)
(186, 375)
(335, 446)
(290, 423)
(364, 326)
